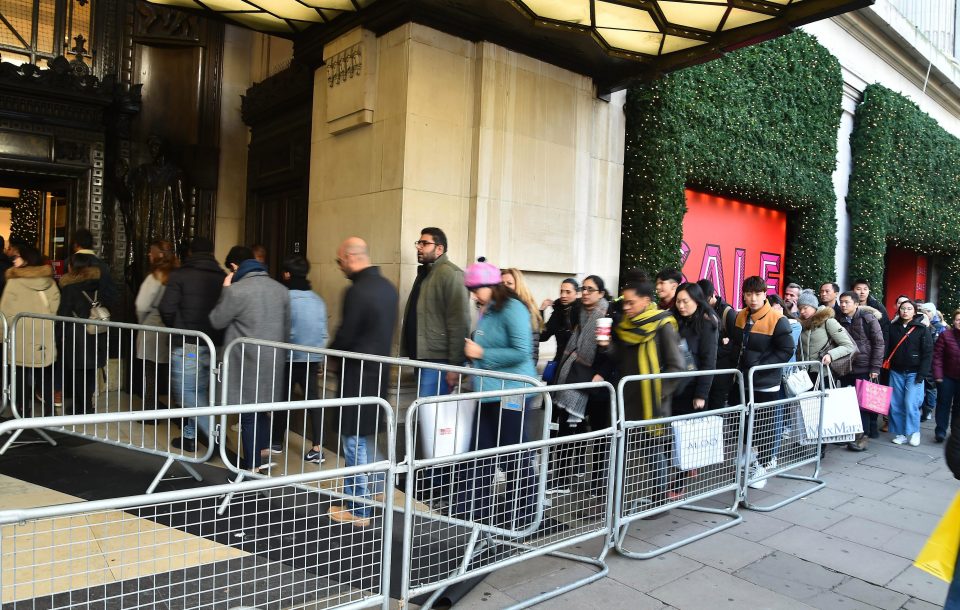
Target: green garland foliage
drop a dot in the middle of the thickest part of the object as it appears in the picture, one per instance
(759, 125)
(904, 189)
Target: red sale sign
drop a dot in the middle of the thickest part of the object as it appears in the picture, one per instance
(726, 241)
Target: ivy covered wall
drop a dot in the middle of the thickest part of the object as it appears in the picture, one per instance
(904, 189)
(759, 125)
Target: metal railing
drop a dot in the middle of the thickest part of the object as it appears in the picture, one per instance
(276, 544)
(95, 371)
(777, 442)
(675, 462)
(486, 485)
(491, 503)
(256, 371)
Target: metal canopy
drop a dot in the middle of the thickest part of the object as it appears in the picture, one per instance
(611, 40)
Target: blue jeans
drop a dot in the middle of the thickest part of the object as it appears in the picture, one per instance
(357, 451)
(948, 401)
(254, 436)
(190, 381)
(905, 401)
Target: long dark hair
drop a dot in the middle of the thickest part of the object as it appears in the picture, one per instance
(704, 315)
(775, 299)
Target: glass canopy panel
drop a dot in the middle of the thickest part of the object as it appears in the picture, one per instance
(570, 11)
(228, 5)
(288, 9)
(688, 15)
(678, 43)
(621, 17)
(739, 18)
(647, 43)
(261, 21)
(336, 5)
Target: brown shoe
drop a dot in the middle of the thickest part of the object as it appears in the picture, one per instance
(885, 427)
(341, 515)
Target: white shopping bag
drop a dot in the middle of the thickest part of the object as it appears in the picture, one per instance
(841, 416)
(446, 428)
(697, 442)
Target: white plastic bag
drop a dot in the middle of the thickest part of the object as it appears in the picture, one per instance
(446, 428)
(697, 442)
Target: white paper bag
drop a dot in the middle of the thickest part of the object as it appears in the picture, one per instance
(697, 442)
(841, 416)
(446, 428)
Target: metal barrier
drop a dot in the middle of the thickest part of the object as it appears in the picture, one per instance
(675, 462)
(262, 371)
(276, 547)
(490, 501)
(95, 371)
(776, 445)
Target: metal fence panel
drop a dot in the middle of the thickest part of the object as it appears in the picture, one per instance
(114, 367)
(274, 546)
(776, 446)
(653, 477)
(491, 502)
(256, 371)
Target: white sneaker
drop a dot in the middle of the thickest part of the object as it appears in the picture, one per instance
(756, 471)
(915, 439)
(773, 463)
(899, 439)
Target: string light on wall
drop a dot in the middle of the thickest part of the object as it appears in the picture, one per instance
(758, 125)
(904, 189)
(25, 217)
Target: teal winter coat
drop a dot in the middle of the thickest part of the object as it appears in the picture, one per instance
(507, 345)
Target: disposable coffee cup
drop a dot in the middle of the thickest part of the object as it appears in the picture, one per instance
(603, 329)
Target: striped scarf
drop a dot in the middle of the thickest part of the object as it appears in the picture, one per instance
(641, 331)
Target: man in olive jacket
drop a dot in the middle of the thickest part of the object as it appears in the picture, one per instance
(437, 316)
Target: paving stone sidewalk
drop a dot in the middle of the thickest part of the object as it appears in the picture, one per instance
(850, 546)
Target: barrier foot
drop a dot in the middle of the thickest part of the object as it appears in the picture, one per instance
(468, 555)
(163, 470)
(818, 485)
(586, 580)
(16, 434)
(227, 499)
(735, 518)
(191, 471)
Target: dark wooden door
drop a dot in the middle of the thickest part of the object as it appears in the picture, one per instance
(280, 225)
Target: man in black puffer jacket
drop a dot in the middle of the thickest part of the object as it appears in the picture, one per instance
(761, 335)
(192, 292)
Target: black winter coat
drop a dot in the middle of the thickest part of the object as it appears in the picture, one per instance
(953, 448)
(915, 355)
(560, 325)
(726, 355)
(769, 341)
(369, 317)
(864, 328)
(883, 318)
(703, 348)
(77, 348)
(192, 292)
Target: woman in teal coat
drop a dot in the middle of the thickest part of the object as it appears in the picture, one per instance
(502, 342)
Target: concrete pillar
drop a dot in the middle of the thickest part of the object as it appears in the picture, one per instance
(515, 159)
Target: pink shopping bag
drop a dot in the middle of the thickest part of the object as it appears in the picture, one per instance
(873, 396)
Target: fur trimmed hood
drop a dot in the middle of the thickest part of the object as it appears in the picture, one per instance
(84, 275)
(871, 310)
(818, 319)
(15, 273)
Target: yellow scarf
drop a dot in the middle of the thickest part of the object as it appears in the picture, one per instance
(641, 331)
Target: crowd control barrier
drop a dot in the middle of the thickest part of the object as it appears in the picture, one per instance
(677, 462)
(778, 443)
(492, 502)
(264, 371)
(275, 545)
(85, 366)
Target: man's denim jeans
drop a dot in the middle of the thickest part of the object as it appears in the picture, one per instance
(357, 451)
(190, 380)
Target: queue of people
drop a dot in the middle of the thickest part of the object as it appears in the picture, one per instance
(658, 325)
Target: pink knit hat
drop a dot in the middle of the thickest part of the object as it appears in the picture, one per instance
(481, 273)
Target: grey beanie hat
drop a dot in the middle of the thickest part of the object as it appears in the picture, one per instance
(808, 298)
